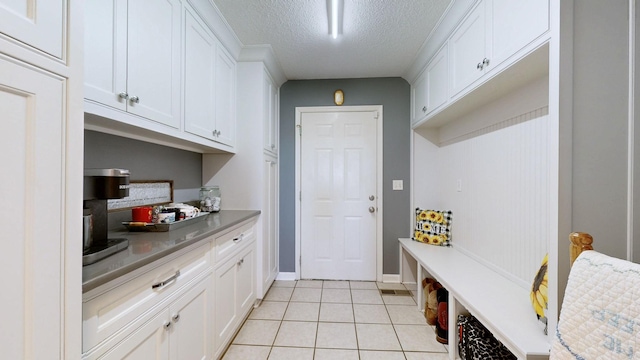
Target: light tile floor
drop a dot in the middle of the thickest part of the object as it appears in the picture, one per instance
(314, 319)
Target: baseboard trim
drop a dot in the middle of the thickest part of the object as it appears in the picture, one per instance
(386, 278)
(391, 278)
(287, 276)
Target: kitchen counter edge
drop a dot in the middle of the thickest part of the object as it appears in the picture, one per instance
(123, 263)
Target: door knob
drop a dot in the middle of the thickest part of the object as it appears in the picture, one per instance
(371, 197)
(372, 209)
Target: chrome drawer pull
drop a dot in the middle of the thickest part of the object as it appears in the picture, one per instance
(166, 282)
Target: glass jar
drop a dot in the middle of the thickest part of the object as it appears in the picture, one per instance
(210, 198)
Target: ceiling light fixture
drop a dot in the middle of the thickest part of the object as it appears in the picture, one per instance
(334, 15)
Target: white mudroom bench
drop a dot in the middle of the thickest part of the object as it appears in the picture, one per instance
(501, 305)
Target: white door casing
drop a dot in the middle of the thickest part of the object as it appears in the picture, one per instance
(338, 171)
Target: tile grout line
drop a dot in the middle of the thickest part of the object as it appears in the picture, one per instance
(355, 327)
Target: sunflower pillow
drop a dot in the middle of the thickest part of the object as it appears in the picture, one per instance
(539, 296)
(433, 227)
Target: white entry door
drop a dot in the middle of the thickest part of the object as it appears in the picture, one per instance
(338, 202)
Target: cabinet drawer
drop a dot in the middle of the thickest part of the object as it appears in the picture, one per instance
(113, 311)
(226, 244)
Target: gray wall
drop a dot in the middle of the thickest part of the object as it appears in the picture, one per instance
(600, 123)
(394, 95)
(146, 161)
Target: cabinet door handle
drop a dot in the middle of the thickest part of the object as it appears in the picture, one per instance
(273, 146)
(241, 262)
(485, 62)
(479, 66)
(123, 95)
(166, 325)
(175, 317)
(237, 238)
(134, 99)
(167, 281)
(424, 109)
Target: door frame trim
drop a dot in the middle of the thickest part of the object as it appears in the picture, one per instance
(379, 167)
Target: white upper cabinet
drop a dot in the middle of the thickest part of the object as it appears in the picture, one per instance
(270, 111)
(492, 38)
(492, 32)
(225, 99)
(419, 98)
(437, 75)
(105, 52)
(156, 65)
(199, 78)
(430, 90)
(468, 50)
(38, 23)
(132, 52)
(514, 24)
(153, 68)
(209, 84)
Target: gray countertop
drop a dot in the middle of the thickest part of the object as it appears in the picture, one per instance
(147, 247)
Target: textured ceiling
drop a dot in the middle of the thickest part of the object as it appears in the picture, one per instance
(380, 37)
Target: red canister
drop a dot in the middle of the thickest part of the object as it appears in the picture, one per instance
(142, 214)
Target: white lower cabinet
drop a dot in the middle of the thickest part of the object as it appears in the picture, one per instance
(109, 312)
(179, 331)
(193, 314)
(190, 329)
(139, 319)
(149, 341)
(234, 294)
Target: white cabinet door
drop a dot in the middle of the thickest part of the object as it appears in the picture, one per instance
(437, 80)
(275, 118)
(225, 97)
(225, 302)
(419, 98)
(132, 57)
(199, 78)
(149, 342)
(153, 48)
(34, 125)
(468, 50)
(191, 323)
(245, 280)
(105, 52)
(38, 23)
(269, 254)
(514, 25)
(270, 113)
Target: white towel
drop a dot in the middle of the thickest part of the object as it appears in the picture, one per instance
(600, 316)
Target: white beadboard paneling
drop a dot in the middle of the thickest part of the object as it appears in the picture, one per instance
(502, 213)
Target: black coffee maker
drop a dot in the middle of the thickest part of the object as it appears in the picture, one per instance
(99, 186)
